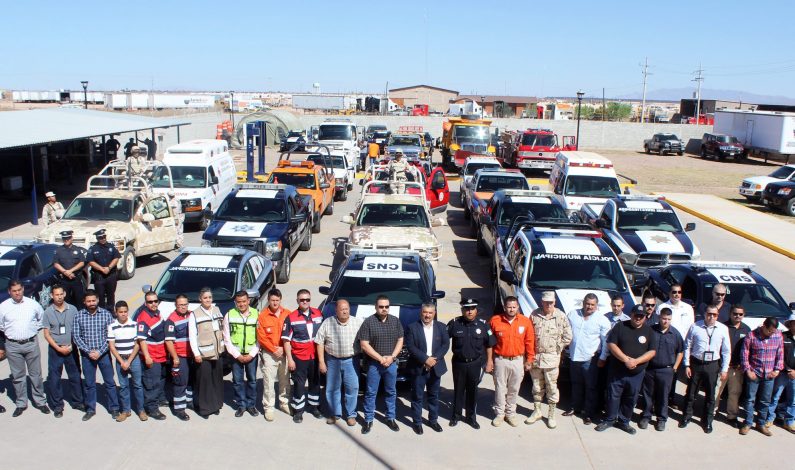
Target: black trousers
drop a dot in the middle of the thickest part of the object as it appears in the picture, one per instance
(106, 290)
(74, 289)
(702, 374)
(466, 377)
(655, 392)
(306, 386)
(208, 387)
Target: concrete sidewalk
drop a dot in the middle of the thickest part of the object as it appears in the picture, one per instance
(764, 229)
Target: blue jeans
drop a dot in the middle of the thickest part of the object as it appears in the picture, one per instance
(583, 386)
(56, 363)
(135, 375)
(90, 381)
(376, 372)
(758, 393)
(783, 399)
(342, 373)
(245, 392)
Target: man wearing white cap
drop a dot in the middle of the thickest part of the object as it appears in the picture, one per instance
(52, 211)
(553, 333)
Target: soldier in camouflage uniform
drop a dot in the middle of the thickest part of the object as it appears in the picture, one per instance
(553, 333)
(179, 217)
(136, 162)
(52, 211)
(397, 173)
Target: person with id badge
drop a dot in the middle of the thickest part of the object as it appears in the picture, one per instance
(207, 344)
(57, 323)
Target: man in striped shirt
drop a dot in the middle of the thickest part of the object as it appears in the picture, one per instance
(762, 361)
(121, 341)
(91, 337)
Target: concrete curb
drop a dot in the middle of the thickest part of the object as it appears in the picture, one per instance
(732, 229)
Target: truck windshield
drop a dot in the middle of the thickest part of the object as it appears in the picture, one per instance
(662, 220)
(539, 211)
(494, 182)
(380, 134)
(726, 139)
(252, 209)
(536, 140)
(363, 290)
(94, 208)
(6, 274)
(564, 271)
(404, 140)
(591, 186)
(334, 132)
(473, 167)
(782, 173)
(334, 162)
(759, 301)
(475, 134)
(393, 215)
(668, 137)
(183, 177)
(189, 280)
(299, 180)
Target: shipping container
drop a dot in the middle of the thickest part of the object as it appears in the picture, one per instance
(770, 132)
(320, 102)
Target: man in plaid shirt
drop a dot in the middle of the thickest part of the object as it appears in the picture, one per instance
(762, 361)
(90, 334)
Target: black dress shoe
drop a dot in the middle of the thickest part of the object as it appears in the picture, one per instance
(298, 418)
(603, 426)
(626, 427)
(18, 412)
(2, 409)
(417, 429)
(252, 411)
(114, 414)
(683, 424)
(316, 413)
(157, 414)
(239, 412)
(587, 421)
(472, 421)
(643, 423)
(453, 421)
(435, 426)
(367, 426)
(708, 428)
(660, 426)
(568, 413)
(58, 413)
(42, 408)
(182, 415)
(89, 414)
(393, 425)
(79, 407)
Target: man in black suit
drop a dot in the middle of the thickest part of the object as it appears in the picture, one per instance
(427, 341)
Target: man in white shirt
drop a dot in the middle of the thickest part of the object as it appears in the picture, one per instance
(682, 315)
(20, 320)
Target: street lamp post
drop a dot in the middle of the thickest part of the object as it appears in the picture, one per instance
(232, 107)
(482, 106)
(580, 94)
(85, 93)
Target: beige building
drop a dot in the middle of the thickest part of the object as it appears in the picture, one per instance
(437, 99)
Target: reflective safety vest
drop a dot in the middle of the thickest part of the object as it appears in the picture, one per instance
(243, 332)
(210, 339)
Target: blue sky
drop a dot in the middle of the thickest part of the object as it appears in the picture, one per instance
(492, 47)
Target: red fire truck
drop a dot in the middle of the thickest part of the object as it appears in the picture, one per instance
(533, 149)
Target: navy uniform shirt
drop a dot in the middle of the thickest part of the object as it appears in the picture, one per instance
(736, 336)
(68, 257)
(669, 345)
(103, 255)
(470, 338)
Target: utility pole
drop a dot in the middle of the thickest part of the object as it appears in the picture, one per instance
(643, 103)
(699, 78)
(604, 107)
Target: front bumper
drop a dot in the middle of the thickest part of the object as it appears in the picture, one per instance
(750, 192)
(776, 201)
(536, 164)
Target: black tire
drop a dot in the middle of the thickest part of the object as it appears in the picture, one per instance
(497, 301)
(316, 225)
(481, 247)
(205, 220)
(680, 153)
(344, 194)
(646, 148)
(127, 264)
(790, 209)
(306, 244)
(283, 275)
(329, 208)
(660, 151)
(703, 153)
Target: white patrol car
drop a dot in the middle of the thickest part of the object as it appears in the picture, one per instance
(471, 165)
(583, 177)
(643, 231)
(567, 258)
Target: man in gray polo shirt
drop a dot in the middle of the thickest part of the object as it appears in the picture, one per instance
(57, 325)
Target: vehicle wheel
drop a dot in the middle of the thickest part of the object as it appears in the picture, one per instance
(350, 186)
(307, 243)
(329, 208)
(481, 246)
(497, 301)
(283, 276)
(660, 151)
(344, 194)
(467, 215)
(703, 153)
(473, 226)
(127, 264)
(646, 148)
(791, 208)
(680, 153)
(316, 225)
(205, 220)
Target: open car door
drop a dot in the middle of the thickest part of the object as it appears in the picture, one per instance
(437, 190)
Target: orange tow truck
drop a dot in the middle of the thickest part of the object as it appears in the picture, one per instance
(309, 179)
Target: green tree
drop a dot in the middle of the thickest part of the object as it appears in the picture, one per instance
(586, 112)
(618, 111)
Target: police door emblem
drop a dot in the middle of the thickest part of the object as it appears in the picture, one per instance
(660, 239)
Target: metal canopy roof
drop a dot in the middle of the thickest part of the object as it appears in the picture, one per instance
(43, 126)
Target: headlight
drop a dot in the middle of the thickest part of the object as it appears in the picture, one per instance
(339, 180)
(758, 186)
(272, 247)
(192, 205)
(120, 245)
(207, 243)
(455, 147)
(784, 191)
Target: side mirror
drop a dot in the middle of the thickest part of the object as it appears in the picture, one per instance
(792, 305)
(690, 227)
(297, 219)
(252, 293)
(508, 276)
(146, 288)
(347, 220)
(324, 185)
(601, 223)
(437, 294)
(325, 290)
(361, 182)
(147, 218)
(214, 181)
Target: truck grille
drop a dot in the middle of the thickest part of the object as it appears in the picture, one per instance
(746, 184)
(474, 148)
(649, 260)
(235, 242)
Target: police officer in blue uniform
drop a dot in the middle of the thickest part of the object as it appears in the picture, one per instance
(69, 261)
(103, 258)
(472, 343)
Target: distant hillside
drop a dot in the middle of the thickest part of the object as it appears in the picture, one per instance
(676, 94)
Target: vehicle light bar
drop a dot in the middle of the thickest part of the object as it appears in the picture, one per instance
(723, 265)
(213, 251)
(549, 231)
(538, 130)
(277, 187)
(591, 165)
(528, 193)
(16, 242)
(290, 163)
(374, 252)
(640, 197)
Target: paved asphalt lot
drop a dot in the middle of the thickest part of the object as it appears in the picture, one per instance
(35, 440)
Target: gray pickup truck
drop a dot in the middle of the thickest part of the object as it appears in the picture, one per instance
(664, 143)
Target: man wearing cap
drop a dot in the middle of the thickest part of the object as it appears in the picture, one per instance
(52, 211)
(472, 345)
(136, 162)
(179, 217)
(397, 172)
(69, 262)
(784, 387)
(632, 344)
(553, 333)
(103, 258)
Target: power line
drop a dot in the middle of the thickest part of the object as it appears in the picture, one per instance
(699, 78)
(646, 73)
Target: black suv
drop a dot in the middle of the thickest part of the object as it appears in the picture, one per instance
(781, 195)
(721, 146)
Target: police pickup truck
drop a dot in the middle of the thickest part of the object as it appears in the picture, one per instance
(570, 259)
(485, 182)
(643, 231)
(271, 219)
(404, 276)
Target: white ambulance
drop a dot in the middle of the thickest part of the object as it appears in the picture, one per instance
(583, 177)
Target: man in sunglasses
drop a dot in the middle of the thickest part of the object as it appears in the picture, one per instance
(298, 334)
(738, 330)
(682, 315)
(719, 293)
(152, 340)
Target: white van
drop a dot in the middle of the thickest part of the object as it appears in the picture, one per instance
(203, 175)
(583, 177)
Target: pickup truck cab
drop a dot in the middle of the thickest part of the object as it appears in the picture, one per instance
(341, 136)
(271, 219)
(580, 177)
(344, 172)
(310, 180)
(567, 258)
(471, 165)
(508, 204)
(409, 144)
(664, 143)
(753, 187)
(436, 187)
(484, 183)
(644, 231)
(781, 196)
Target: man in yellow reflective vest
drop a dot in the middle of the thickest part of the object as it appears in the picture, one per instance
(240, 339)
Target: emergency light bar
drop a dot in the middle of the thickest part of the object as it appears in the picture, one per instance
(277, 187)
(16, 242)
(213, 251)
(723, 265)
(528, 193)
(550, 231)
(591, 165)
(640, 197)
(365, 252)
(538, 130)
(290, 163)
